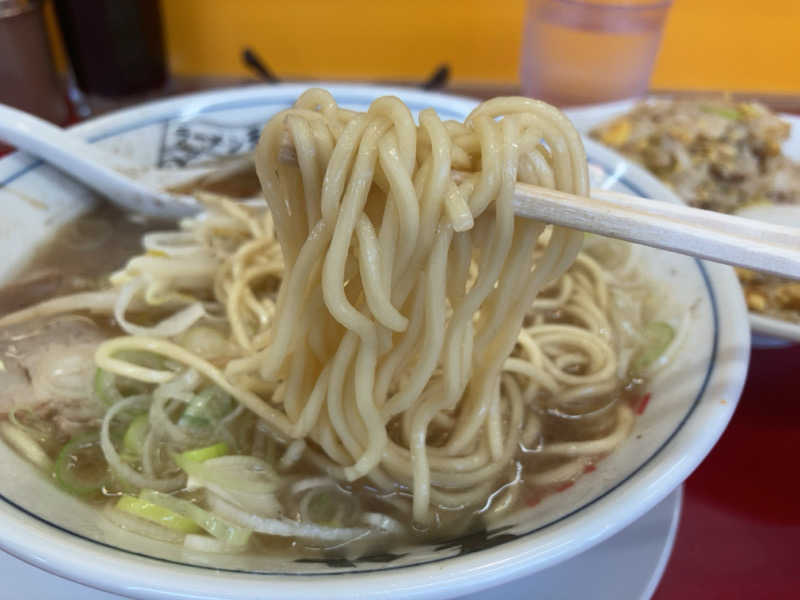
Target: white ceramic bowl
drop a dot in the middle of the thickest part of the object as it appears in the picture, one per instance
(768, 331)
(690, 406)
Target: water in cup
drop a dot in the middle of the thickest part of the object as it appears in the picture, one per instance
(584, 51)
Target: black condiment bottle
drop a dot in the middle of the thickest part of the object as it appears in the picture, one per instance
(116, 47)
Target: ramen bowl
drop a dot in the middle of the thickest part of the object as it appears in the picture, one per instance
(690, 403)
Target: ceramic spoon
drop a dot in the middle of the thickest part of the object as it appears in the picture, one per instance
(131, 186)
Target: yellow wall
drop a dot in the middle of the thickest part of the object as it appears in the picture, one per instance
(708, 44)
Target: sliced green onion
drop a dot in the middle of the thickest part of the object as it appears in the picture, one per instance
(247, 474)
(155, 513)
(202, 454)
(216, 526)
(110, 388)
(322, 508)
(205, 341)
(657, 338)
(207, 544)
(133, 441)
(206, 408)
(246, 481)
(70, 466)
(25, 445)
(105, 387)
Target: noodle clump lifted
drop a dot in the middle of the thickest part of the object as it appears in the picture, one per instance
(406, 277)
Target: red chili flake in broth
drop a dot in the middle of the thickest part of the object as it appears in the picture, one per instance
(565, 486)
(589, 468)
(533, 501)
(642, 404)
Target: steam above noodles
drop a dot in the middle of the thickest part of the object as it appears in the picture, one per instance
(386, 320)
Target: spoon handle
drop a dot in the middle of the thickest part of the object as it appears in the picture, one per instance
(37, 136)
(110, 175)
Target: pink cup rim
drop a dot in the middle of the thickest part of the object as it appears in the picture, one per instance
(646, 5)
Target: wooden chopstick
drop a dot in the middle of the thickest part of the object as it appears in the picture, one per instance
(692, 231)
(700, 233)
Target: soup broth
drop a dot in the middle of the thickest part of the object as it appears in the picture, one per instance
(66, 265)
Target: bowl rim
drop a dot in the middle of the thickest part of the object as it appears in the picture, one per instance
(94, 563)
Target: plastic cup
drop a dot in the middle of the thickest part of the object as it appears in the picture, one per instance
(586, 51)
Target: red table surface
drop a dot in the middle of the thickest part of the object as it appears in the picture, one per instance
(740, 526)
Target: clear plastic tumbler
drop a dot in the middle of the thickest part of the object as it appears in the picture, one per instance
(585, 51)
